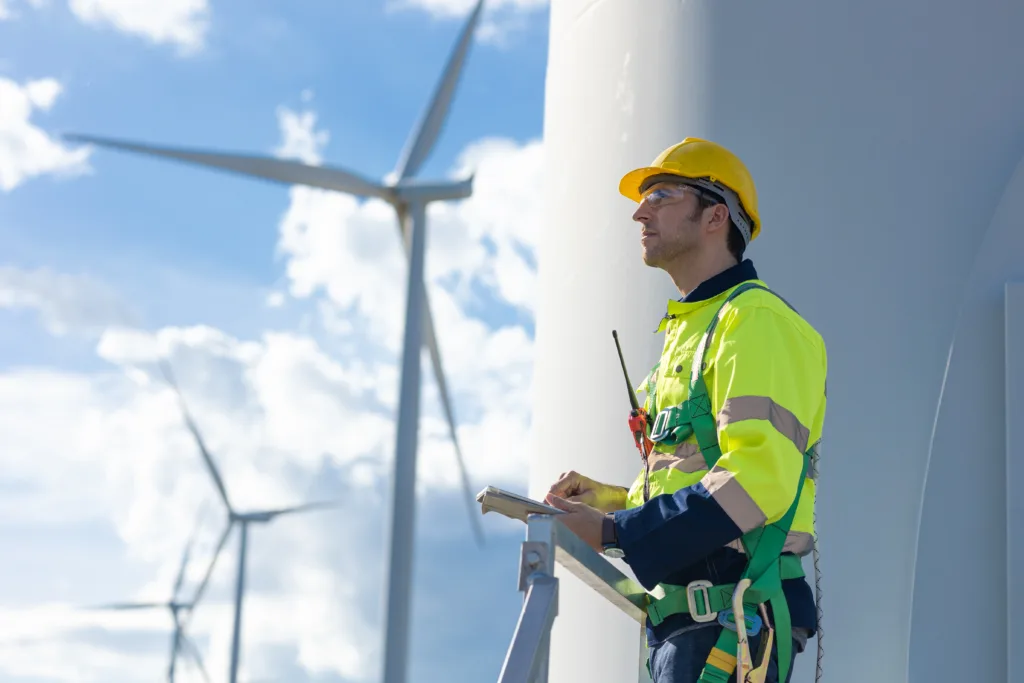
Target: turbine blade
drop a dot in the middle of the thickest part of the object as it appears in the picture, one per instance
(184, 557)
(429, 129)
(306, 507)
(175, 647)
(209, 571)
(210, 466)
(267, 168)
(193, 651)
(446, 403)
(122, 606)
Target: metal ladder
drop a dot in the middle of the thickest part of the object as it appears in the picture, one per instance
(549, 541)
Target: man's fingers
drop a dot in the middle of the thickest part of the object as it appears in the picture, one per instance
(560, 503)
(566, 485)
(585, 498)
(565, 505)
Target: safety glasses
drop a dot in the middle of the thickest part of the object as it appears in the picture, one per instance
(660, 195)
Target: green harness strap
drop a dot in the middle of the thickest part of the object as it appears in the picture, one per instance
(766, 566)
(652, 389)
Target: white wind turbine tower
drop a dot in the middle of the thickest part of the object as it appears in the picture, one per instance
(242, 519)
(409, 197)
(180, 642)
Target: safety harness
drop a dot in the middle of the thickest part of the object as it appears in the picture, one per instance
(761, 581)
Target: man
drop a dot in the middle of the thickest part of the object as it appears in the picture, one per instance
(737, 402)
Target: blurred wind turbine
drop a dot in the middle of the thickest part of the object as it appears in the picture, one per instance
(243, 519)
(410, 198)
(179, 640)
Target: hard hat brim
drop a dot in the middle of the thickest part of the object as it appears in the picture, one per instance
(631, 183)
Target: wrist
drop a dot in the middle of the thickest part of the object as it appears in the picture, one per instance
(610, 537)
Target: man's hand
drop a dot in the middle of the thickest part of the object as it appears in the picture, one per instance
(581, 519)
(575, 488)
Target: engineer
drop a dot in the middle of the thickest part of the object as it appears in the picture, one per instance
(735, 420)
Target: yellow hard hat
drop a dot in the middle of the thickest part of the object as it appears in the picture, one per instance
(708, 166)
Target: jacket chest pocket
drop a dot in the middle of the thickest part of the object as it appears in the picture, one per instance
(672, 421)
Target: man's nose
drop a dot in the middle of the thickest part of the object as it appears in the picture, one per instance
(641, 215)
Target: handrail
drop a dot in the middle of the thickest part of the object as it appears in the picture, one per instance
(548, 541)
(597, 572)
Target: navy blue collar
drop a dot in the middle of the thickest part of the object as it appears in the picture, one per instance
(725, 280)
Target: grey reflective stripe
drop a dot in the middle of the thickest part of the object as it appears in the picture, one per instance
(686, 458)
(797, 542)
(733, 499)
(740, 408)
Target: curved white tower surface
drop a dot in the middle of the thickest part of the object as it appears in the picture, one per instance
(885, 140)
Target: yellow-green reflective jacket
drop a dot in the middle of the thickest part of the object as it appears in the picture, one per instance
(765, 373)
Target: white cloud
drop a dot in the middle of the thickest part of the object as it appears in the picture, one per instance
(27, 151)
(458, 8)
(179, 22)
(301, 139)
(288, 416)
(107, 448)
(500, 17)
(183, 23)
(65, 303)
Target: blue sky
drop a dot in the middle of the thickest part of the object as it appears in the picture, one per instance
(280, 309)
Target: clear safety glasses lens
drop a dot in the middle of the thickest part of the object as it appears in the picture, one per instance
(665, 194)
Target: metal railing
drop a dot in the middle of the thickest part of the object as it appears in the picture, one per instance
(549, 541)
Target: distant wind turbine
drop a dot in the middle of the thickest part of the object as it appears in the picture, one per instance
(180, 641)
(242, 519)
(410, 198)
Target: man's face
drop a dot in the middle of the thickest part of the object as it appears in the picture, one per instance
(671, 220)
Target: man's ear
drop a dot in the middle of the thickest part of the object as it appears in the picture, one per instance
(719, 217)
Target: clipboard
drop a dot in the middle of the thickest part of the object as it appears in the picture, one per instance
(512, 505)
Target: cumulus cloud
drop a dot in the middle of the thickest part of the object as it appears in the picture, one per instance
(112, 447)
(289, 417)
(351, 250)
(458, 8)
(26, 150)
(300, 139)
(183, 23)
(66, 304)
(500, 18)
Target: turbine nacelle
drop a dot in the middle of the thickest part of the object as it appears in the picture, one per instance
(263, 516)
(409, 191)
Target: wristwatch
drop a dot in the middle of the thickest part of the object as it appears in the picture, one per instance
(609, 539)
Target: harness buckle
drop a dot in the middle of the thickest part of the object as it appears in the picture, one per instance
(728, 619)
(658, 429)
(692, 589)
(672, 425)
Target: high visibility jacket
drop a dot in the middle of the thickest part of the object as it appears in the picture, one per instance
(765, 372)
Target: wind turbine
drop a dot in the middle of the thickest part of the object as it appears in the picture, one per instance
(242, 519)
(179, 640)
(409, 197)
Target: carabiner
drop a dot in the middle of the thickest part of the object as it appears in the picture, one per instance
(743, 662)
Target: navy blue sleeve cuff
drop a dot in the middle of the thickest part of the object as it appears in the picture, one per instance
(669, 533)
